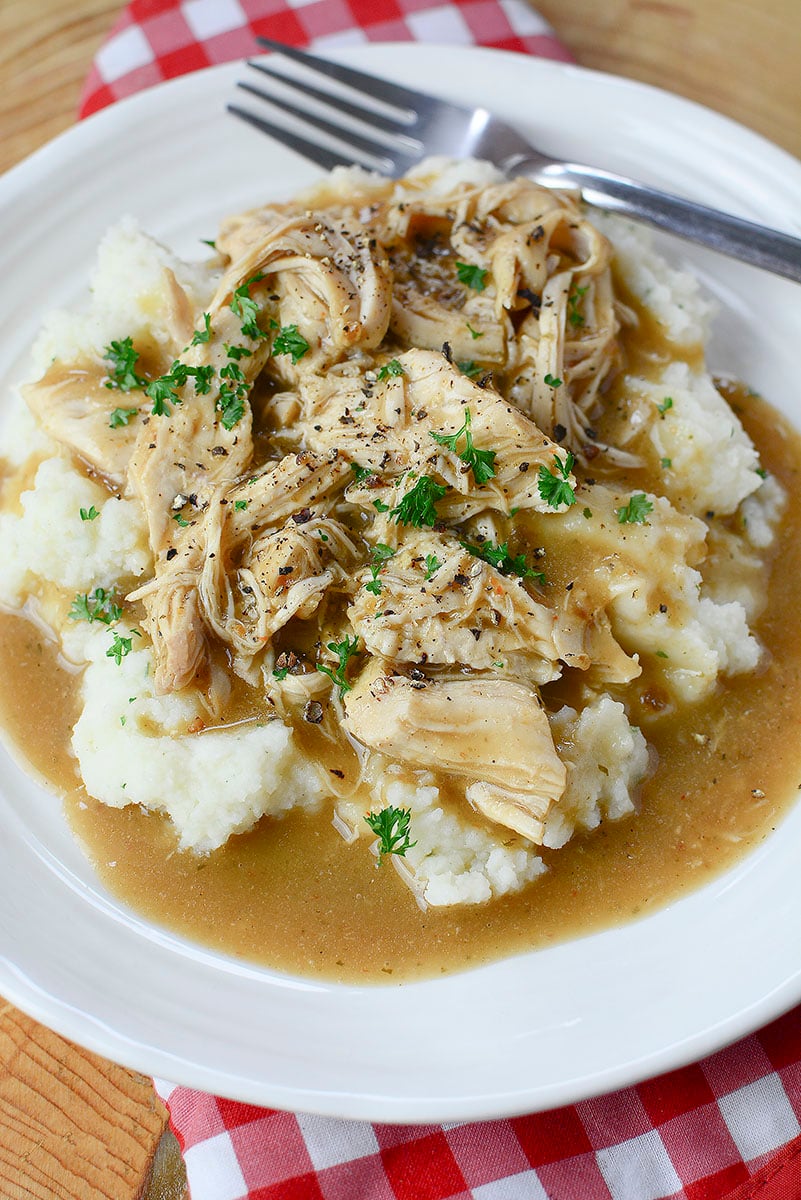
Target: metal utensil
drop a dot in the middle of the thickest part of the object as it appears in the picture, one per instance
(390, 128)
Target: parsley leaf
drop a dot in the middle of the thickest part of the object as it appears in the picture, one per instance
(164, 391)
(418, 507)
(472, 276)
(100, 605)
(390, 370)
(202, 335)
(432, 564)
(481, 462)
(122, 356)
(246, 308)
(665, 405)
(391, 827)
(474, 333)
(88, 514)
(574, 317)
(500, 558)
(360, 474)
(121, 416)
(344, 651)
(469, 368)
(240, 505)
(635, 512)
(553, 486)
(120, 647)
(551, 381)
(381, 555)
(231, 406)
(289, 341)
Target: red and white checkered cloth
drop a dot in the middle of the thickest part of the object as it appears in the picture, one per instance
(728, 1126)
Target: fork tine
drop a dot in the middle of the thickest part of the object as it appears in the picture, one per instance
(380, 89)
(325, 158)
(354, 141)
(358, 111)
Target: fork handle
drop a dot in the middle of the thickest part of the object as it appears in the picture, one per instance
(745, 240)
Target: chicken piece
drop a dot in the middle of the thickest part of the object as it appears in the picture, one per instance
(388, 428)
(284, 574)
(491, 732)
(438, 603)
(73, 407)
(331, 282)
(209, 544)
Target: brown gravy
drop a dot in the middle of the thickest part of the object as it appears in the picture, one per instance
(293, 896)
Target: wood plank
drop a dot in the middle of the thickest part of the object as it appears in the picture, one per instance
(71, 1124)
(738, 57)
(46, 49)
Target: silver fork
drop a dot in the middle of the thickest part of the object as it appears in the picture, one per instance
(390, 128)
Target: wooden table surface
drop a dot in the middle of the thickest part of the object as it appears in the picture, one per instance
(73, 1126)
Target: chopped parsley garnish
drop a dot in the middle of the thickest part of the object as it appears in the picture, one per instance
(432, 564)
(469, 368)
(120, 647)
(573, 315)
(667, 463)
(344, 651)
(500, 558)
(100, 605)
(553, 486)
(180, 520)
(390, 370)
(474, 333)
(552, 382)
(209, 242)
(360, 474)
(666, 404)
(418, 507)
(391, 827)
(121, 416)
(472, 276)
(122, 356)
(662, 654)
(289, 341)
(245, 307)
(202, 377)
(240, 505)
(237, 352)
(381, 555)
(231, 398)
(586, 514)
(88, 514)
(202, 335)
(380, 506)
(231, 406)
(481, 462)
(280, 672)
(761, 472)
(635, 512)
(164, 391)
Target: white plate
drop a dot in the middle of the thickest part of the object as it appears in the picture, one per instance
(530, 1033)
